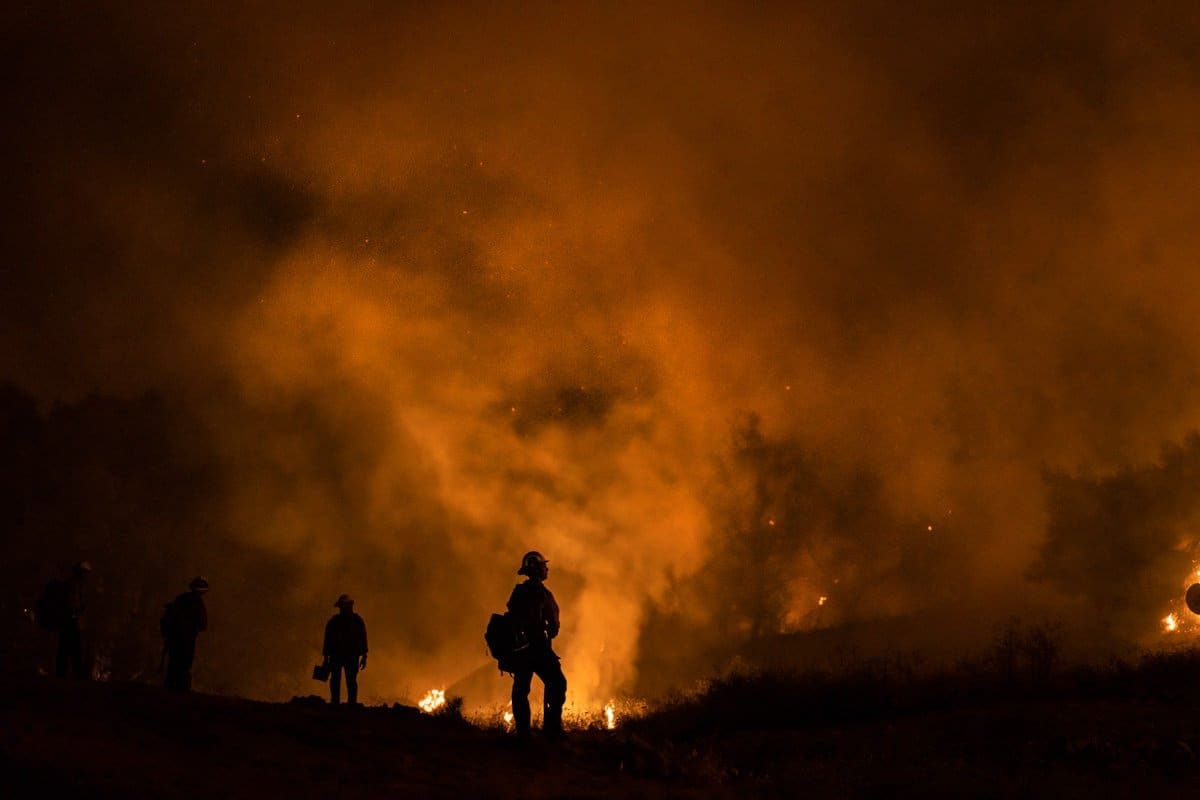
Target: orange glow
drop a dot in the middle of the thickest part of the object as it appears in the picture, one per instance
(387, 398)
(433, 700)
(507, 716)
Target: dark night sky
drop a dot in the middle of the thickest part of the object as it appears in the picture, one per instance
(820, 297)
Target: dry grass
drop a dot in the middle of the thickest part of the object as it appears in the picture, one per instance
(1023, 665)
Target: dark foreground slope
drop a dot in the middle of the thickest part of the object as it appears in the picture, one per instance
(1120, 732)
(122, 740)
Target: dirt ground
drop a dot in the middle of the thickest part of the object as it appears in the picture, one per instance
(123, 740)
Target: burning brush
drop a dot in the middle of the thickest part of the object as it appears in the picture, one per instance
(1174, 622)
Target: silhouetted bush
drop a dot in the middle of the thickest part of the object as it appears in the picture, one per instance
(1024, 665)
(1027, 653)
(451, 711)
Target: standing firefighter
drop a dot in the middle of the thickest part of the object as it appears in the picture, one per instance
(535, 615)
(184, 618)
(345, 649)
(60, 609)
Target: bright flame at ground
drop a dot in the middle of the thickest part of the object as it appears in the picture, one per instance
(610, 717)
(431, 702)
(1180, 617)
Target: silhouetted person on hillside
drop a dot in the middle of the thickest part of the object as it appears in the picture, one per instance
(61, 609)
(184, 618)
(345, 648)
(535, 615)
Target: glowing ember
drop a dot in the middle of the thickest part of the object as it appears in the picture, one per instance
(610, 717)
(821, 600)
(431, 702)
(1170, 624)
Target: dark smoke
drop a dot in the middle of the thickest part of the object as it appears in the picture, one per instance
(314, 299)
(1124, 542)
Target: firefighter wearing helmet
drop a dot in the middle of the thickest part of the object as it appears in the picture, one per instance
(184, 618)
(345, 650)
(535, 615)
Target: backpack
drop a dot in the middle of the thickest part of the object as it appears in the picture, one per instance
(52, 606)
(170, 622)
(505, 642)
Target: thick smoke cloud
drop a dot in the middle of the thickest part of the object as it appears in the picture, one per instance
(1124, 541)
(726, 311)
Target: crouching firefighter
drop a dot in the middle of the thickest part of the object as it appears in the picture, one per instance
(184, 618)
(534, 613)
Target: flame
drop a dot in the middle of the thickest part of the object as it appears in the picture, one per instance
(610, 716)
(1176, 620)
(432, 701)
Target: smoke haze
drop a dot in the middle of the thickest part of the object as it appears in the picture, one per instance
(725, 311)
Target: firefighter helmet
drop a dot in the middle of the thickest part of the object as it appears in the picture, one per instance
(532, 564)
